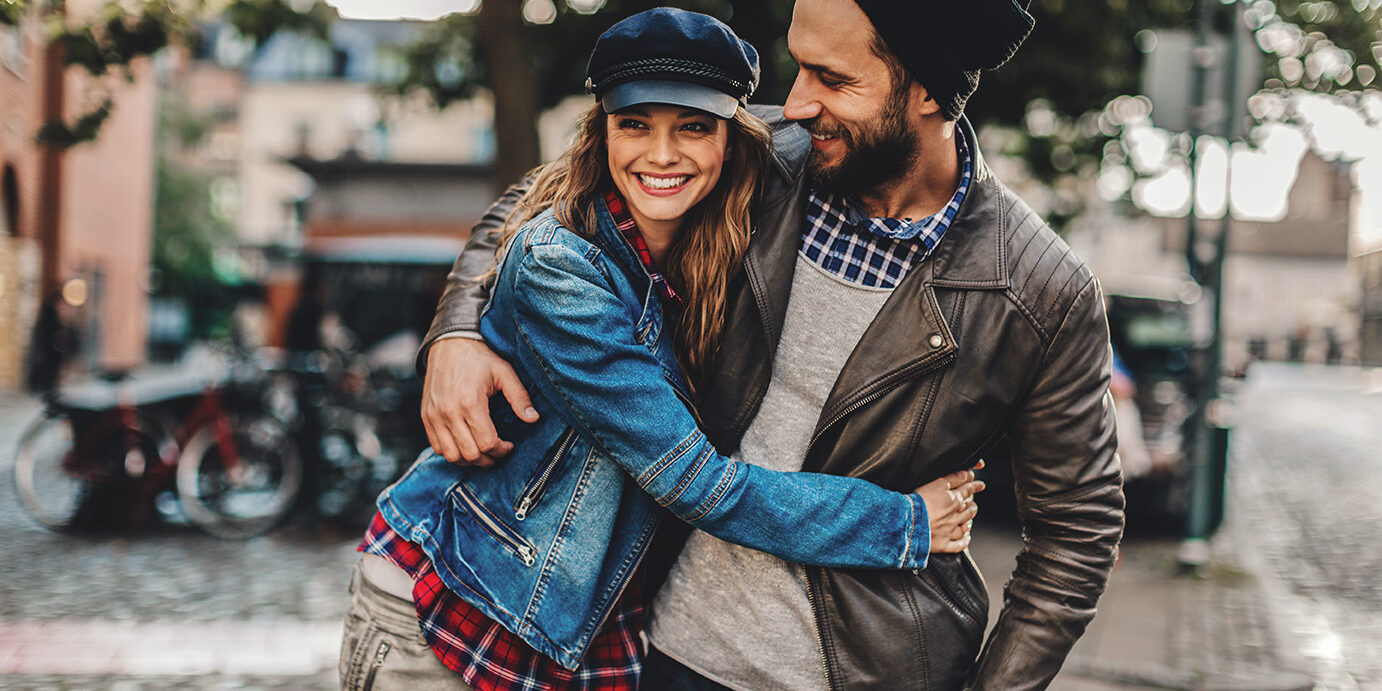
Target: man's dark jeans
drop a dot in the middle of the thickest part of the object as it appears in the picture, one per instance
(665, 674)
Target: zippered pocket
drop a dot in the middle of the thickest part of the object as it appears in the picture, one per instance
(946, 583)
(378, 662)
(542, 479)
(497, 529)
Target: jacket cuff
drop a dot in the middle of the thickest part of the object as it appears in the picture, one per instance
(919, 537)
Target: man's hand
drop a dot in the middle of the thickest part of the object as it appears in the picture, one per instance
(462, 375)
(951, 508)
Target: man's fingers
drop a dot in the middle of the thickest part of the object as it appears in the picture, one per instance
(465, 444)
(508, 382)
(440, 441)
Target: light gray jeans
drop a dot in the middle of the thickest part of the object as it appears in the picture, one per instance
(383, 648)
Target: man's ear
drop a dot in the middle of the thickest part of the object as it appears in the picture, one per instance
(921, 99)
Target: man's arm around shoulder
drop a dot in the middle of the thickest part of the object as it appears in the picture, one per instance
(459, 372)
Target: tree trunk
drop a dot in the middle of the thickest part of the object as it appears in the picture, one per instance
(513, 78)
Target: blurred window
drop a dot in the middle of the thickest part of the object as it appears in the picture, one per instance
(12, 50)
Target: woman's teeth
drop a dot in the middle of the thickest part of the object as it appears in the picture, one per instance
(664, 183)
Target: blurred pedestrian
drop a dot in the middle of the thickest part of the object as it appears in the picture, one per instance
(1132, 448)
(899, 314)
(612, 283)
(49, 345)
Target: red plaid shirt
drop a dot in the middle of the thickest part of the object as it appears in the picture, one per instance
(487, 655)
(629, 227)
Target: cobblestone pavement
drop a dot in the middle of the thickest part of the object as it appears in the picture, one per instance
(1294, 584)
(1306, 481)
(167, 607)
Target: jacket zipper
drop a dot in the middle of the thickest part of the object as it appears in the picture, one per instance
(871, 398)
(820, 637)
(505, 535)
(810, 587)
(375, 665)
(538, 486)
(947, 591)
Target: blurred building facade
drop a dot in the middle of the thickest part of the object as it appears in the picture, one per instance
(1370, 333)
(76, 223)
(1292, 286)
(322, 152)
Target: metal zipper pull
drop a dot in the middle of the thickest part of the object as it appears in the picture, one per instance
(522, 511)
(375, 665)
(526, 552)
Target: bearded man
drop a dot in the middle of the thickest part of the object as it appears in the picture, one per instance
(900, 315)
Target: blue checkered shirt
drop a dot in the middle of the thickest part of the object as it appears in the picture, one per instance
(876, 252)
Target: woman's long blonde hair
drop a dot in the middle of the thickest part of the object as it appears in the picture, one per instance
(713, 236)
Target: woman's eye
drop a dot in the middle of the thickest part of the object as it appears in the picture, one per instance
(630, 124)
(697, 127)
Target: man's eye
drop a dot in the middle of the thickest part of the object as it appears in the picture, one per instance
(831, 83)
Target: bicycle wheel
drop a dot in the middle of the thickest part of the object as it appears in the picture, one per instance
(60, 472)
(245, 495)
(50, 488)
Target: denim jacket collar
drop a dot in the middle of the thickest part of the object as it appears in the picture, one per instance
(649, 329)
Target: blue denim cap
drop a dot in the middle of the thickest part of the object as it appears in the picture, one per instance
(672, 56)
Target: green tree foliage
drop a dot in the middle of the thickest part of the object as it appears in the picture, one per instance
(187, 234)
(123, 32)
(1081, 57)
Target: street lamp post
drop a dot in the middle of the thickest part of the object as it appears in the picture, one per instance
(1210, 444)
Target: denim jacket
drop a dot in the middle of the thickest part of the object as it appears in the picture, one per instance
(546, 542)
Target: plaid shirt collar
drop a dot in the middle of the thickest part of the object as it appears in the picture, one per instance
(876, 251)
(629, 229)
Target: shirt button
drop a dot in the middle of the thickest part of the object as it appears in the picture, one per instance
(937, 341)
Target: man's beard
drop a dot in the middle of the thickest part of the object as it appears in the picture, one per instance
(873, 156)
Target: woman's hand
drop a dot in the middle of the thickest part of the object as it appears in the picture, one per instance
(951, 508)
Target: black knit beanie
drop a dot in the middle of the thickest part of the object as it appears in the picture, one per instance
(944, 43)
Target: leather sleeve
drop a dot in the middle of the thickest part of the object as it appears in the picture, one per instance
(1070, 499)
(465, 294)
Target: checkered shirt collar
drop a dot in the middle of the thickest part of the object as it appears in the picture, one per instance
(877, 251)
(628, 227)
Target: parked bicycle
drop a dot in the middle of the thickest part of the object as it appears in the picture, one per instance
(78, 455)
(230, 463)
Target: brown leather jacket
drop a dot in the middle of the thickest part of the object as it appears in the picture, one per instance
(996, 347)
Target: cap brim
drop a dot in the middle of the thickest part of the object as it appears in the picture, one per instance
(704, 98)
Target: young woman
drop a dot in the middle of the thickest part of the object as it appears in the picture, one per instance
(609, 296)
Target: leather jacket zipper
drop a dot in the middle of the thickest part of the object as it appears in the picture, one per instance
(830, 680)
(538, 486)
(869, 399)
(495, 527)
(820, 637)
(947, 591)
